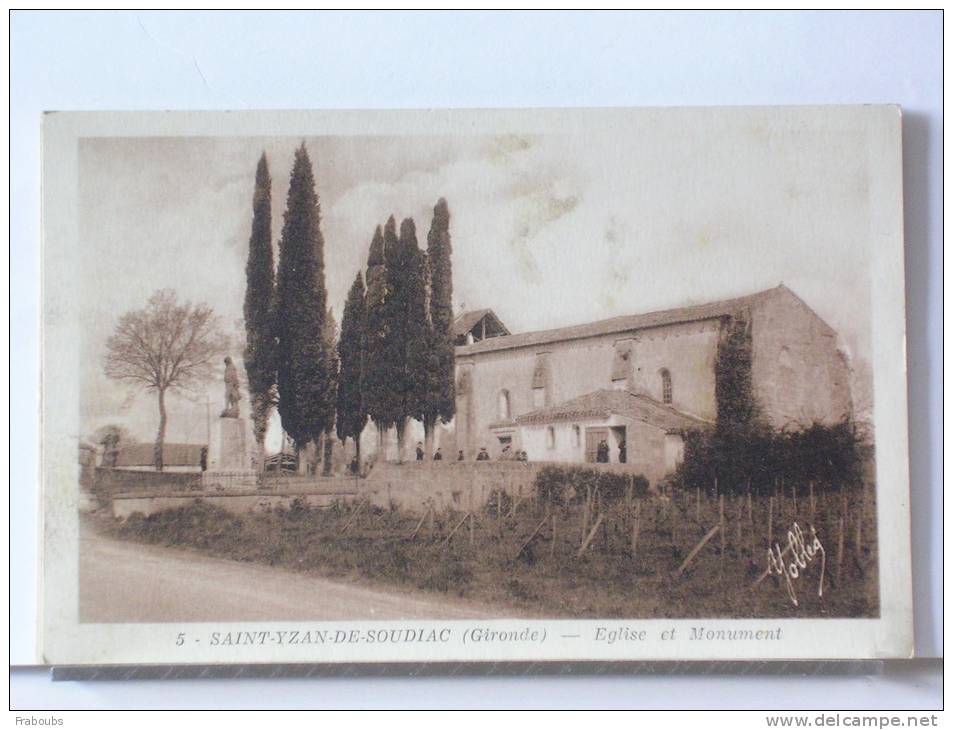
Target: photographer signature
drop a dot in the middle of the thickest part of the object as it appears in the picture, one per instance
(791, 562)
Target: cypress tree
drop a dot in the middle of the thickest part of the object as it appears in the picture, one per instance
(413, 323)
(351, 409)
(305, 386)
(392, 354)
(259, 353)
(379, 361)
(439, 398)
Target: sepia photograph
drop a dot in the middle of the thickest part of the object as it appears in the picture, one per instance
(603, 366)
(476, 360)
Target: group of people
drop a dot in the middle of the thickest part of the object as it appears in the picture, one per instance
(507, 454)
(483, 455)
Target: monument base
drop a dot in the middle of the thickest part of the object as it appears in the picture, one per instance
(228, 449)
(229, 466)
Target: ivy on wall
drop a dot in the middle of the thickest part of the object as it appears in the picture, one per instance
(736, 407)
(743, 453)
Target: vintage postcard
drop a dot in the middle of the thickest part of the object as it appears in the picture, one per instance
(484, 385)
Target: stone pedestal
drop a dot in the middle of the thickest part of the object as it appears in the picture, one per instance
(228, 447)
(229, 466)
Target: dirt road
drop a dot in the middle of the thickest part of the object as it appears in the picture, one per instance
(130, 582)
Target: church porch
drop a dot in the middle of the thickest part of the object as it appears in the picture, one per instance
(608, 426)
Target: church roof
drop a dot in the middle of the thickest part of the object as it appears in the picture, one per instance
(604, 403)
(625, 323)
(172, 455)
(468, 320)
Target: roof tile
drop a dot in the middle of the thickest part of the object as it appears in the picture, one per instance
(604, 403)
(617, 324)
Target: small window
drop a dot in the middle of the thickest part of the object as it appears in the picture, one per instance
(504, 405)
(539, 371)
(540, 379)
(666, 386)
(539, 397)
(622, 360)
(576, 436)
(550, 437)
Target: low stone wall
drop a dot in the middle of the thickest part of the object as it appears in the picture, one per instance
(412, 486)
(449, 484)
(306, 485)
(461, 485)
(109, 482)
(124, 505)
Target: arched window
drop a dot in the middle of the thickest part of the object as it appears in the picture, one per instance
(550, 437)
(666, 386)
(787, 377)
(540, 380)
(504, 405)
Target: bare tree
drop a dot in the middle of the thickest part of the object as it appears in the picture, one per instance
(165, 346)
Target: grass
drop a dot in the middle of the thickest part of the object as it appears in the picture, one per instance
(547, 580)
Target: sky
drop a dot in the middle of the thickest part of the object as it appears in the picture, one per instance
(547, 229)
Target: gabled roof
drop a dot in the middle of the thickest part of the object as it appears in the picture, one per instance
(605, 403)
(172, 455)
(468, 320)
(625, 323)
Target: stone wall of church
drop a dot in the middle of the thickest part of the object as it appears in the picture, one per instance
(688, 352)
(798, 372)
(493, 380)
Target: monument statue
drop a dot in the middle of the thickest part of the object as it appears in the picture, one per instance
(232, 393)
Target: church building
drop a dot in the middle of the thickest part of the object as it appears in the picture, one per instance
(639, 383)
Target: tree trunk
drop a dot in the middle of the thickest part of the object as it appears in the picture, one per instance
(160, 435)
(301, 456)
(428, 438)
(357, 451)
(314, 455)
(401, 432)
(261, 455)
(328, 446)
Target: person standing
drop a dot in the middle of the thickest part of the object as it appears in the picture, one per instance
(420, 451)
(602, 452)
(438, 456)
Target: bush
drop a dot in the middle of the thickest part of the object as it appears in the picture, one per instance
(196, 523)
(757, 457)
(562, 485)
